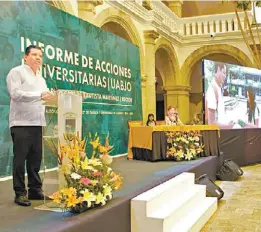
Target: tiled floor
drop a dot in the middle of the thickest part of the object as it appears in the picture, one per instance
(240, 208)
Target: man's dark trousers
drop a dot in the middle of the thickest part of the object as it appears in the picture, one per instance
(27, 147)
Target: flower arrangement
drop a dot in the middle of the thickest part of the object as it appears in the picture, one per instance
(183, 145)
(90, 182)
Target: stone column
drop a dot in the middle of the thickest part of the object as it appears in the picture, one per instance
(176, 7)
(86, 9)
(144, 79)
(178, 96)
(149, 40)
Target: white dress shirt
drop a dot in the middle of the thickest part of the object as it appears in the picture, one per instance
(215, 101)
(170, 122)
(25, 90)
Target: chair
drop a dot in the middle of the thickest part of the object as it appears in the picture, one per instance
(159, 123)
(134, 123)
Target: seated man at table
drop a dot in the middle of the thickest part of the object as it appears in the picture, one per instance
(172, 118)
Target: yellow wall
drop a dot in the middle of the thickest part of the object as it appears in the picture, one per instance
(196, 8)
(176, 63)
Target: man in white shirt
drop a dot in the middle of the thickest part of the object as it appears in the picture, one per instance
(26, 118)
(215, 106)
(172, 119)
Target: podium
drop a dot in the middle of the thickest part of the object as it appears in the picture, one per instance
(63, 116)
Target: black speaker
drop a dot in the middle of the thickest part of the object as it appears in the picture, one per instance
(229, 171)
(212, 190)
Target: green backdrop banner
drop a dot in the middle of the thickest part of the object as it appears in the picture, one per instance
(78, 56)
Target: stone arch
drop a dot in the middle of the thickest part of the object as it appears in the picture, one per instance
(195, 56)
(167, 74)
(164, 44)
(114, 15)
(63, 5)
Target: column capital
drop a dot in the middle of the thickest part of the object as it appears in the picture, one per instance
(89, 6)
(144, 79)
(176, 7)
(177, 90)
(150, 36)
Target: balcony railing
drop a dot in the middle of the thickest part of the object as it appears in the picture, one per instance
(162, 18)
(169, 19)
(221, 23)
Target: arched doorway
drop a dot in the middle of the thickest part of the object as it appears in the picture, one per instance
(164, 76)
(166, 68)
(117, 29)
(160, 106)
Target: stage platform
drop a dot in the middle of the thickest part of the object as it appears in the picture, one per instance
(139, 176)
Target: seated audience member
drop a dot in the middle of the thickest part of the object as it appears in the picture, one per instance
(197, 120)
(151, 121)
(172, 118)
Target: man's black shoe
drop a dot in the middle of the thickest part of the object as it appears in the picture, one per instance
(22, 200)
(37, 196)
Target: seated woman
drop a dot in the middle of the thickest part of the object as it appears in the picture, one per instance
(151, 121)
(172, 118)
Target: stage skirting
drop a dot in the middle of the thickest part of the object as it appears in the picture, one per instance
(113, 217)
(241, 145)
(150, 143)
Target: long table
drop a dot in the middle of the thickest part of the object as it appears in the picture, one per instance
(150, 143)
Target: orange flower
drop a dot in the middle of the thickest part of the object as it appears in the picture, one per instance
(69, 191)
(72, 201)
(118, 183)
(103, 149)
(56, 197)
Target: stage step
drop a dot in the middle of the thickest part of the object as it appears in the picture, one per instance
(175, 205)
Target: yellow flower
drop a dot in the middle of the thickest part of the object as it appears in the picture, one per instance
(188, 156)
(88, 197)
(65, 168)
(193, 151)
(93, 182)
(91, 168)
(109, 170)
(95, 143)
(72, 154)
(85, 164)
(107, 191)
(180, 153)
(95, 162)
(100, 199)
(77, 161)
(199, 149)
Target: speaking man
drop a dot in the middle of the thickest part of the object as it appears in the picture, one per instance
(27, 88)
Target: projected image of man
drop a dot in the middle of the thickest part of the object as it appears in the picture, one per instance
(215, 106)
(253, 111)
